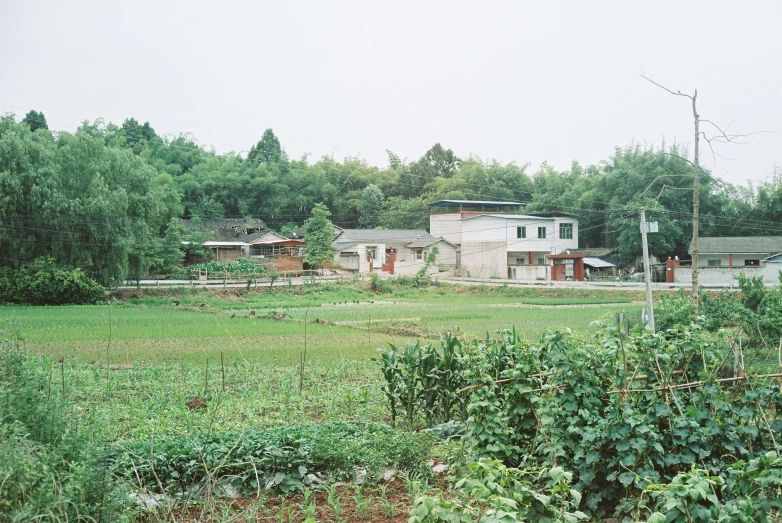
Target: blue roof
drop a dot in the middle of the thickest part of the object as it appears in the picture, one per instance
(454, 203)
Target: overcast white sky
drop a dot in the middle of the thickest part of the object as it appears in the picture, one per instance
(516, 81)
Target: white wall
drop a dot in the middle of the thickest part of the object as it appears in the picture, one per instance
(447, 226)
(446, 257)
(725, 275)
(738, 259)
(492, 229)
(347, 261)
(484, 259)
(530, 272)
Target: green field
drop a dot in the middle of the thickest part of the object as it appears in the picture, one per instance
(135, 363)
(259, 326)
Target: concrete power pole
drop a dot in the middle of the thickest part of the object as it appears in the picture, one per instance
(647, 270)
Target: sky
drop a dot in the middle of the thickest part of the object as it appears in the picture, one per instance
(521, 81)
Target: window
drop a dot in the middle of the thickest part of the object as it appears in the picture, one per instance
(542, 232)
(371, 252)
(565, 231)
(521, 261)
(542, 261)
(714, 263)
(521, 232)
(752, 263)
(418, 254)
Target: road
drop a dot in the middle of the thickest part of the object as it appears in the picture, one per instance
(284, 282)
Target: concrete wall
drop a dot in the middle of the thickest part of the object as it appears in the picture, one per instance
(484, 259)
(529, 272)
(446, 258)
(491, 229)
(725, 275)
(738, 259)
(447, 226)
(347, 261)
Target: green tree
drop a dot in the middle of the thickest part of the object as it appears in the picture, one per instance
(401, 213)
(369, 206)
(208, 208)
(437, 162)
(267, 150)
(319, 237)
(79, 201)
(35, 120)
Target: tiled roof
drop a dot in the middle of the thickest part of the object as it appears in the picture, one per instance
(384, 235)
(740, 245)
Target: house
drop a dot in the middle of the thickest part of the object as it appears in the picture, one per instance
(521, 246)
(737, 251)
(395, 251)
(223, 251)
(445, 219)
(721, 259)
(278, 253)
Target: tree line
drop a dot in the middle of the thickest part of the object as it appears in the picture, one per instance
(107, 197)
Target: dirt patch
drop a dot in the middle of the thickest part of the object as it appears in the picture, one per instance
(196, 403)
(270, 508)
(276, 315)
(411, 330)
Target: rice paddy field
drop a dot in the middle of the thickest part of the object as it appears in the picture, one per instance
(337, 322)
(136, 362)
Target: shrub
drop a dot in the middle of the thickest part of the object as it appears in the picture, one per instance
(43, 283)
(52, 469)
(376, 284)
(752, 290)
(673, 309)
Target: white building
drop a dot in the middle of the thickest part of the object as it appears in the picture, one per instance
(395, 251)
(504, 245)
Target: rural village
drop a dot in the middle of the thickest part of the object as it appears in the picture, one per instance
(338, 262)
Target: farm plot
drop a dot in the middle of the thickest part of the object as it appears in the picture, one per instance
(270, 327)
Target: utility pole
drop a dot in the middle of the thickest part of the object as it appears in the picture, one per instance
(647, 270)
(695, 205)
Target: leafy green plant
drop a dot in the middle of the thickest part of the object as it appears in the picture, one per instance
(278, 459)
(51, 467)
(422, 381)
(44, 283)
(495, 493)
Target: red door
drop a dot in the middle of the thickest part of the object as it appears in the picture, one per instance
(388, 266)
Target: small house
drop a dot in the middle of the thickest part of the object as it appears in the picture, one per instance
(395, 251)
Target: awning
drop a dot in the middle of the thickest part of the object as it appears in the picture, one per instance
(597, 263)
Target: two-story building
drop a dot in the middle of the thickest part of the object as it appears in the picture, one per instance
(510, 245)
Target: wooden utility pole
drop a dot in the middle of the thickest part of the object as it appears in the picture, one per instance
(647, 270)
(695, 188)
(695, 205)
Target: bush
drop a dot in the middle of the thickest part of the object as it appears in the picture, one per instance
(377, 285)
(43, 283)
(51, 469)
(673, 309)
(752, 290)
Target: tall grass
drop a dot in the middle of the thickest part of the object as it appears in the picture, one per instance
(53, 465)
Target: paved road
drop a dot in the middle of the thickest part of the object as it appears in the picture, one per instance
(230, 283)
(284, 282)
